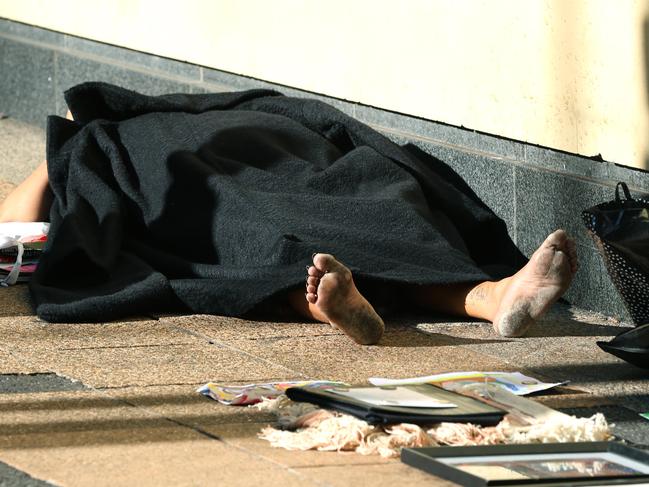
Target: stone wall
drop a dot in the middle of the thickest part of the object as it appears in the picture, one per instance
(534, 189)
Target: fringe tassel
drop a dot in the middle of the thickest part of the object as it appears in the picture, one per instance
(302, 426)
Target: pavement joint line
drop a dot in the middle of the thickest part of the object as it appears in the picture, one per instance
(218, 438)
(142, 345)
(166, 384)
(114, 388)
(211, 341)
(271, 460)
(364, 464)
(283, 337)
(172, 420)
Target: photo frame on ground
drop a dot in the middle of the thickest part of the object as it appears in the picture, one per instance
(595, 463)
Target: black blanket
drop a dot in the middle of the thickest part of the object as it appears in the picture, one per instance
(214, 203)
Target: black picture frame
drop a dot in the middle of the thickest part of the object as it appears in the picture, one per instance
(534, 464)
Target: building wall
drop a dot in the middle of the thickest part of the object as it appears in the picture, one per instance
(566, 74)
(535, 190)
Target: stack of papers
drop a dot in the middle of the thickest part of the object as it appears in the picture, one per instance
(394, 396)
(514, 382)
(21, 245)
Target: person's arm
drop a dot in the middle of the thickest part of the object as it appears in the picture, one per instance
(30, 201)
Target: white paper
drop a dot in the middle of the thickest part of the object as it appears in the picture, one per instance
(399, 396)
(19, 230)
(514, 382)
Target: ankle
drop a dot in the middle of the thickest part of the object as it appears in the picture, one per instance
(484, 299)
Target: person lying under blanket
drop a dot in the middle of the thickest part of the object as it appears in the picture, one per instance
(216, 203)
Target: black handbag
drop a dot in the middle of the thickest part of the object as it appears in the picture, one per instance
(620, 229)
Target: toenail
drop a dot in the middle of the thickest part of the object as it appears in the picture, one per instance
(313, 255)
(308, 267)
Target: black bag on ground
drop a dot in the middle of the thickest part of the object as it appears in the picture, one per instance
(632, 346)
(620, 229)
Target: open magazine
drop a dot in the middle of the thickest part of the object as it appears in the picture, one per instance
(21, 244)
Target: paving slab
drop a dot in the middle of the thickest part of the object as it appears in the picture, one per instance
(12, 363)
(9, 364)
(158, 364)
(237, 426)
(21, 383)
(35, 335)
(402, 353)
(182, 404)
(245, 437)
(589, 368)
(142, 453)
(562, 323)
(391, 474)
(84, 417)
(14, 302)
(225, 329)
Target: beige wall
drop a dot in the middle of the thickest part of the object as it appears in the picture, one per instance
(568, 74)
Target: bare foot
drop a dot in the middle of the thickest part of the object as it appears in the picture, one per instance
(531, 291)
(331, 289)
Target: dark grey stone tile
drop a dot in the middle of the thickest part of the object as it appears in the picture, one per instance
(216, 80)
(570, 164)
(30, 33)
(434, 131)
(592, 288)
(346, 107)
(491, 179)
(16, 383)
(234, 81)
(546, 201)
(637, 179)
(211, 88)
(26, 81)
(12, 477)
(77, 45)
(72, 70)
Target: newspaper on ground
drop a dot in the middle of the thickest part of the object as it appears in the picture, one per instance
(253, 393)
(515, 382)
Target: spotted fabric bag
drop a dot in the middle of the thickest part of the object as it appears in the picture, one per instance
(620, 229)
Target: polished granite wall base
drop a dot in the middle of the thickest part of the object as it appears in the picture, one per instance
(534, 189)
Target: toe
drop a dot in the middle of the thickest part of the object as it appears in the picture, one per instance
(558, 238)
(314, 272)
(311, 297)
(313, 281)
(310, 289)
(324, 262)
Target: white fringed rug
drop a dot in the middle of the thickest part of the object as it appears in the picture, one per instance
(303, 426)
